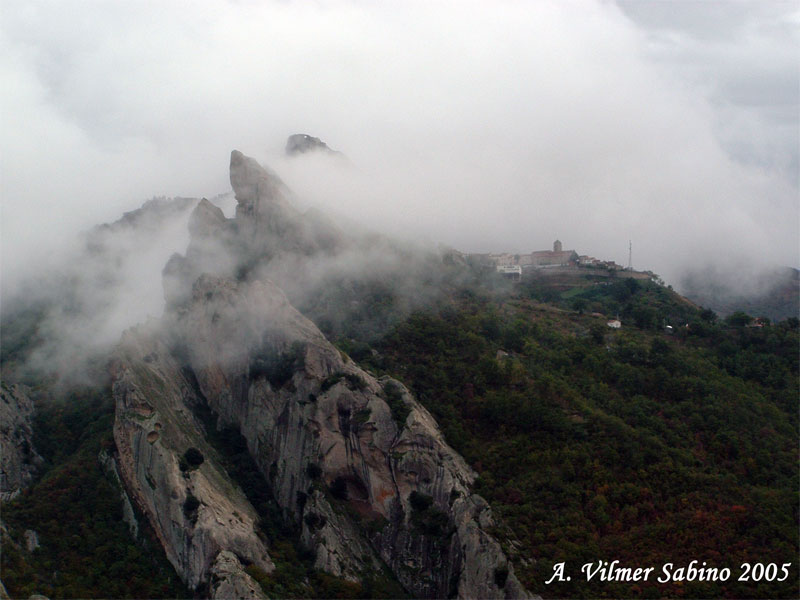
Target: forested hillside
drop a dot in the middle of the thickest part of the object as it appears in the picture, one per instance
(647, 444)
(86, 550)
(464, 300)
(638, 444)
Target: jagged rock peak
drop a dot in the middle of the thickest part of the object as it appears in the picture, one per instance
(300, 143)
(323, 410)
(267, 219)
(206, 218)
(255, 187)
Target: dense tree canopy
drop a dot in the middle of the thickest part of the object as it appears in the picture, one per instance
(644, 444)
(671, 439)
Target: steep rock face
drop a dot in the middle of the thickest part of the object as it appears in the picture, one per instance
(323, 432)
(212, 249)
(355, 460)
(19, 460)
(229, 581)
(268, 224)
(195, 512)
(262, 201)
(206, 220)
(267, 230)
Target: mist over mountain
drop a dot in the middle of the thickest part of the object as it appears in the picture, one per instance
(771, 293)
(109, 279)
(602, 123)
(279, 421)
(358, 365)
(63, 320)
(228, 324)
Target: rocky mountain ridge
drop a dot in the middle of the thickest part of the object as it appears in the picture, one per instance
(263, 443)
(332, 440)
(196, 511)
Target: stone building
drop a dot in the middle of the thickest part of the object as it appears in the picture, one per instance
(557, 257)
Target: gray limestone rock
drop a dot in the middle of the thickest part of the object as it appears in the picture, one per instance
(268, 371)
(267, 223)
(355, 460)
(229, 580)
(31, 540)
(206, 220)
(196, 513)
(262, 198)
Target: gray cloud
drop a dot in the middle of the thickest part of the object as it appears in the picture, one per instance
(744, 57)
(484, 126)
(107, 281)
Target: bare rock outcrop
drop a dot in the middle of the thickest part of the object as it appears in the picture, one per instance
(268, 224)
(263, 206)
(212, 248)
(355, 460)
(228, 580)
(19, 460)
(335, 442)
(196, 510)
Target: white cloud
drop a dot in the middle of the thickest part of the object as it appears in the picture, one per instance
(744, 57)
(482, 125)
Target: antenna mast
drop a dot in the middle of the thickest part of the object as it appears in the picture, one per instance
(630, 256)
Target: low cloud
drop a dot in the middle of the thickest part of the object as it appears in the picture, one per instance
(485, 127)
(107, 281)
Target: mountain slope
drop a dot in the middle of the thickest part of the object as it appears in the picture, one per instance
(367, 482)
(316, 412)
(637, 444)
(195, 509)
(64, 320)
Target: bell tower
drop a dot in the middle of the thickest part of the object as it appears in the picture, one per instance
(557, 246)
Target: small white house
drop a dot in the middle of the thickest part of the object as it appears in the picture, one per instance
(614, 324)
(510, 271)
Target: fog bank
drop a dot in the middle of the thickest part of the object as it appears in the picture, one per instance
(485, 126)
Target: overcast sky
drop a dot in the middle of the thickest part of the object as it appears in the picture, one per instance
(486, 125)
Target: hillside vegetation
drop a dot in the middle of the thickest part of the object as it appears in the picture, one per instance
(596, 444)
(641, 445)
(86, 549)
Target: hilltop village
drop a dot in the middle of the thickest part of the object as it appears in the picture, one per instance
(556, 262)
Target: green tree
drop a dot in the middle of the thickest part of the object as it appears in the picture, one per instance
(738, 319)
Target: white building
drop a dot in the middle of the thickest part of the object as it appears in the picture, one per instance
(510, 271)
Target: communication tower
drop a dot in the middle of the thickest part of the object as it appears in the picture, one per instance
(630, 256)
